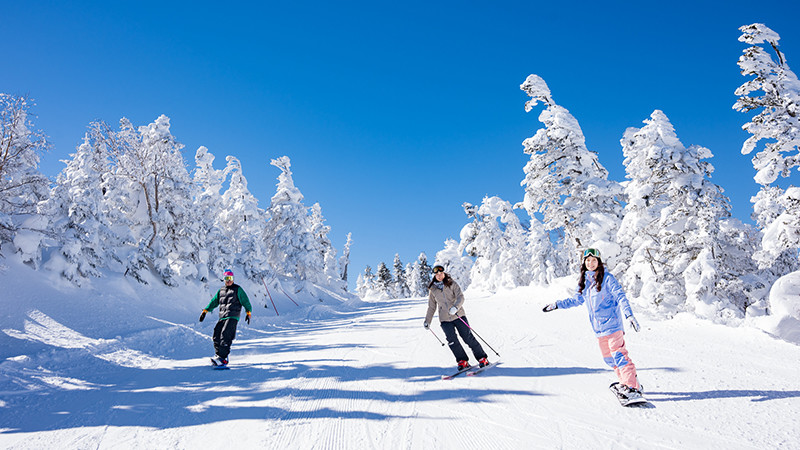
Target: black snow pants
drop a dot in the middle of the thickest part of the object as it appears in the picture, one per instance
(466, 334)
(224, 333)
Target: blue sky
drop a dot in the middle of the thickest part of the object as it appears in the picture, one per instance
(393, 114)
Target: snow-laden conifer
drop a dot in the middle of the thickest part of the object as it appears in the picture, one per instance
(22, 186)
(565, 182)
(400, 285)
(452, 258)
(330, 275)
(77, 208)
(344, 260)
(365, 283)
(152, 196)
(543, 263)
(292, 249)
(217, 253)
(383, 287)
(497, 241)
(774, 91)
(243, 223)
(418, 276)
(671, 226)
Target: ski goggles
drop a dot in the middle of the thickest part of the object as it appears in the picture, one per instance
(438, 269)
(591, 252)
(228, 278)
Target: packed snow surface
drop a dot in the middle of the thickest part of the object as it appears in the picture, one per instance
(121, 365)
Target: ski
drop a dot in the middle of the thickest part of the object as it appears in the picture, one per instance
(481, 369)
(625, 400)
(450, 377)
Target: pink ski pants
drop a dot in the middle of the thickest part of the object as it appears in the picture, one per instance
(615, 355)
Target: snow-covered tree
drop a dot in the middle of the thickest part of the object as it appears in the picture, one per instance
(344, 260)
(243, 223)
(671, 226)
(543, 263)
(153, 191)
(418, 276)
(498, 243)
(22, 186)
(77, 208)
(383, 281)
(365, 283)
(292, 249)
(330, 273)
(741, 281)
(217, 254)
(566, 183)
(774, 91)
(778, 122)
(452, 258)
(400, 285)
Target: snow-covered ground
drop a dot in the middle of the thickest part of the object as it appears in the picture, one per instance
(119, 365)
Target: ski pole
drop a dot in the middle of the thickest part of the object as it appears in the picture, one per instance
(270, 298)
(437, 337)
(287, 296)
(476, 334)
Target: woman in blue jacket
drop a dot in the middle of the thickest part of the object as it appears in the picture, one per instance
(607, 304)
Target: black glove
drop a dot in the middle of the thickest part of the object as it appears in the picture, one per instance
(426, 325)
(550, 307)
(247, 318)
(202, 315)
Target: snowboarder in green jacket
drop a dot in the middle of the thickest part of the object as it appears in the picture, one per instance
(230, 299)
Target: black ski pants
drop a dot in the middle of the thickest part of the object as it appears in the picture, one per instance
(466, 334)
(224, 333)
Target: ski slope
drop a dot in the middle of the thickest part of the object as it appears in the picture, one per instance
(118, 365)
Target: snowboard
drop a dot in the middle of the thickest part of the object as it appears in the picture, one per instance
(627, 400)
(216, 366)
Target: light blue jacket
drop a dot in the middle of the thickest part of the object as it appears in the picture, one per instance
(604, 306)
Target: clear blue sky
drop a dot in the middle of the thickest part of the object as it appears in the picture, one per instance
(393, 114)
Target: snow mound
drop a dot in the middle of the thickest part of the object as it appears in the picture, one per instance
(784, 300)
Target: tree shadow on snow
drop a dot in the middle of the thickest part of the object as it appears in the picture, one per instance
(188, 396)
(756, 396)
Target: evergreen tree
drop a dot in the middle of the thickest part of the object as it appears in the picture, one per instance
(216, 255)
(384, 282)
(775, 91)
(566, 183)
(153, 190)
(292, 249)
(400, 286)
(672, 222)
(330, 273)
(86, 241)
(22, 186)
(344, 260)
(499, 252)
(544, 262)
(243, 223)
(365, 284)
(418, 275)
(452, 258)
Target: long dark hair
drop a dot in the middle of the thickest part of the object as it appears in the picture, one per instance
(598, 275)
(447, 280)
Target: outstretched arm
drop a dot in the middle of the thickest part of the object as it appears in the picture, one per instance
(213, 303)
